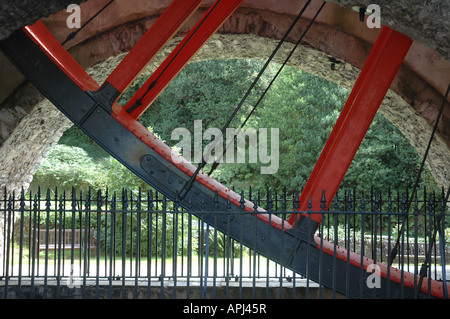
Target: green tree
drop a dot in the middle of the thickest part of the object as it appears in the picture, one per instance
(208, 90)
(66, 166)
(385, 158)
(304, 108)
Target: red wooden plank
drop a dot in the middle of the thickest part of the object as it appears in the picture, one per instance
(180, 56)
(368, 92)
(151, 42)
(39, 33)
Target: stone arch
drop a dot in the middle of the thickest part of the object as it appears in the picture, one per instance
(252, 32)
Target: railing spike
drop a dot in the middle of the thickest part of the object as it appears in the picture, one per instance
(309, 204)
(150, 200)
(61, 203)
(22, 199)
(255, 206)
(377, 201)
(389, 204)
(403, 203)
(242, 201)
(164, 203)
(323, 202)
(10, 202)
(176, 201)
(99, 200)
(416, 204)
(113, 202)
(125, 199)
(349, 201)
(284, 200)
(336, 202)
(216, 200)
(363, 201)
(269, 201)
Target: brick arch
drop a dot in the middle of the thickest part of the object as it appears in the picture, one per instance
(338, 38)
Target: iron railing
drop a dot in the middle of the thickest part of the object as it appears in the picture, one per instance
(139, 244)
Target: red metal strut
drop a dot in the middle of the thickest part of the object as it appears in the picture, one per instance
(40, 35)
(368, 92)
(180, 56)
(151, 42)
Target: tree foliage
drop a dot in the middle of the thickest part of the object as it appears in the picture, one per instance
(208, 90)
(304, 108)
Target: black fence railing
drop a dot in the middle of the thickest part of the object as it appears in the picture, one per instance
(139, 244)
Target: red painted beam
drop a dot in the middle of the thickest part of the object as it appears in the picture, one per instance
(151, 42)
(368, 92)
(39, 33)
(180, 56)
